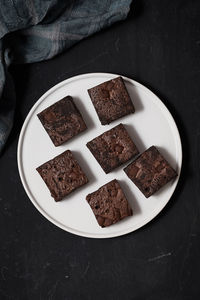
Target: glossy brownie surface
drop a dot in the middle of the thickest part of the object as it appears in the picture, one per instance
(109, 204)
(150, 171)
(111, 100)
(62, 175)
(62, 120)
(113, 148)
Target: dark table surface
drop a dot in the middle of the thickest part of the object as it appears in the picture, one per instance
(159, 46)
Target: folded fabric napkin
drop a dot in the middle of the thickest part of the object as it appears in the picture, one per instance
(36, 30)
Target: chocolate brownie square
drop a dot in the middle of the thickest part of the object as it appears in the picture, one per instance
(62, 120)
(109, 204)
(150, 171)
(62, 175)
(113, 148)
(111, 100)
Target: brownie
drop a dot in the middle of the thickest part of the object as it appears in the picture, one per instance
(111, 100)
(150, 171)
(109, 204)
(62, 120)
(113, 148)
(62, 175)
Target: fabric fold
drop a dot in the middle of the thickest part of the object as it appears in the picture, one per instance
(36, 30)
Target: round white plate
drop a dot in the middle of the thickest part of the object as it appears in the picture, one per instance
(151, 124)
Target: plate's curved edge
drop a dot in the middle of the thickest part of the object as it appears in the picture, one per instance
(155, 212)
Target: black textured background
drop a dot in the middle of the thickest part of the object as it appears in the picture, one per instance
(159, 46)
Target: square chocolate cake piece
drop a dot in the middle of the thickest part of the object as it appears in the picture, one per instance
(150, 171)
(62, 120)
(113, 148)
(62, 175)
(111, 100)
(109, 204)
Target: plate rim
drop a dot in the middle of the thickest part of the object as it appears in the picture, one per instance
(153, 213)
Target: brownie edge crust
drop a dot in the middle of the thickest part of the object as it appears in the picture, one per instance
(109, 204)
(62, 175)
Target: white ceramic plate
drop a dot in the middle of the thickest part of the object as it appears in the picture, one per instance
(151, 124)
